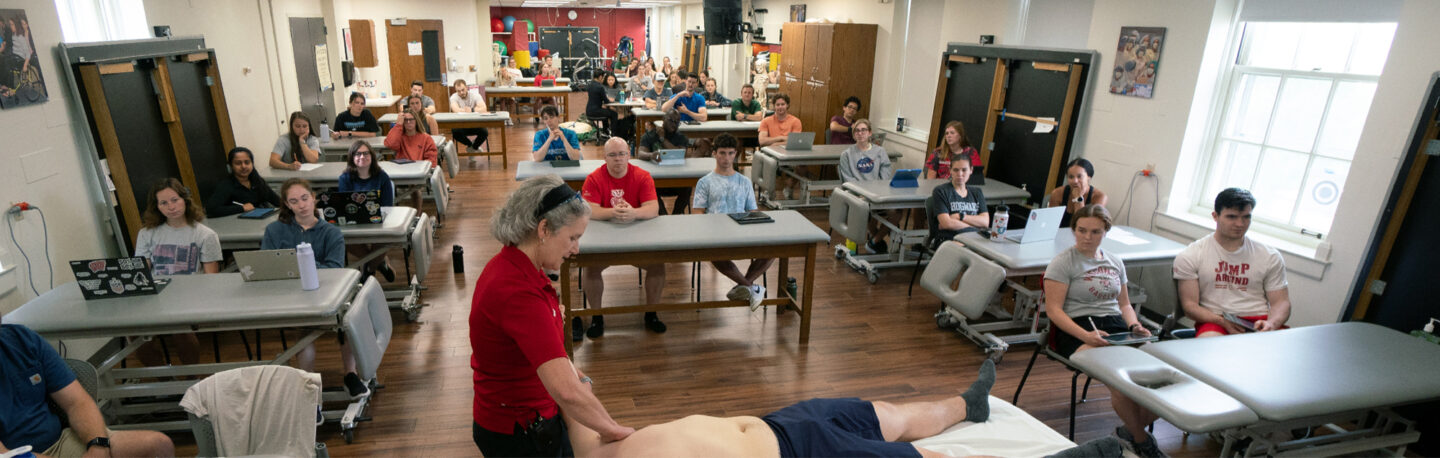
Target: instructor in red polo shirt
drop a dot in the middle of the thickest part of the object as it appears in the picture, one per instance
(523, 378)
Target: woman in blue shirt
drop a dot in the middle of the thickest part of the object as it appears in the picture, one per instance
(363, 173)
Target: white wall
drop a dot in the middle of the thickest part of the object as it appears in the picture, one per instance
(465, 41)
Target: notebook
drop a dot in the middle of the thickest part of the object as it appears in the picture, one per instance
(350, 207)
(750, 217)
(799, 141)
(260, 265)
(1042, 226)
(115, 277)
(672, 157)
(258, 213)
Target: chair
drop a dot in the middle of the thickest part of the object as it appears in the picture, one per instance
(89, 380)
(1171, 328)
(848, 215)
(368, 328)
(932, 225)
(262, 391)
(1048, 348)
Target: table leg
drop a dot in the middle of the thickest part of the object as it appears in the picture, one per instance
(809, 287)
(780, 290)
(565, 302)
(504, 150)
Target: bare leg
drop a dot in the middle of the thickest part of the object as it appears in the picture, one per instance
(729, 270)
(758, 268)
(918, 420)
(1133, 415)
(654, 283)
(141, 443)
(347, 356)
(594, 286)
(305, 360)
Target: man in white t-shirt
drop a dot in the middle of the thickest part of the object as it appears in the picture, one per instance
(726, 191)
(1228, 272)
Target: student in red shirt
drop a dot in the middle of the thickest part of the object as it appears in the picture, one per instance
(517, 331)
(406, 140)
(621, 193)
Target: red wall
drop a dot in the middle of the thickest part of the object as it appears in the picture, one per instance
(613, 23)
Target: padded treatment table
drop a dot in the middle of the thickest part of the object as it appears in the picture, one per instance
(335, 150)
(448, 122)
(407, 177)
(1343, 377)
(380, 106)
(191, 303)
(694, 238)
(666, 176)
(852, 204)
(527, 82)
(646, 118)
(563, 92)
(775, 160)
(1009, 431)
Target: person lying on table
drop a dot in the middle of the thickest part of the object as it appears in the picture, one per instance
(242, 189)
(300, 223)
(554, 143)
(668, 136)
(409, 143)
(841, 124)
(622, 193)
(1077, 191)
(175, 241)
(417, 89)
(35, 375)
(1228, 272)
(958, 208)
(747, 108)
(466, 100)
(775, 130)
(866, 161)
(724, 190)
(688, 102)
(297, 146)
(363, 173)
(1087, 299)
(356, 121)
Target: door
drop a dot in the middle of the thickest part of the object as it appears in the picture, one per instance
(307, 39)
(417, 53)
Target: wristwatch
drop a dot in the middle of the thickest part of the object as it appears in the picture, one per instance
(101, 441)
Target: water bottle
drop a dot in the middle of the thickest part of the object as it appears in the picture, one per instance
(792, 288)
(324, 131)
(999, 222)
(457, 257)
(309, 276)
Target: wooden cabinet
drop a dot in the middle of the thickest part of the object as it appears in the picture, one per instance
(823, 65)
(362, 42)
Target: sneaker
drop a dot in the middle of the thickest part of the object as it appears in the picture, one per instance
(652, 322)
(739, 293)
(355, 386)
(387, 272)
(577, 329)
(757, 294)
(877, 248)
(597, 327)
(1147, 449)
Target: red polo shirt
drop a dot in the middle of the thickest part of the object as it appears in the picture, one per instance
(515, 326)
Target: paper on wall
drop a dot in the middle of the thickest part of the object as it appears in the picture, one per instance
(1044, 128)
(415, 49)
(322, 67)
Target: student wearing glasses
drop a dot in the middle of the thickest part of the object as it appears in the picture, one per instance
(841, 124)
(621, 193)
(363, 173)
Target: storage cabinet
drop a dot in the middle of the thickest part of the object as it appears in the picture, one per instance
(823, 65)
(362, 42)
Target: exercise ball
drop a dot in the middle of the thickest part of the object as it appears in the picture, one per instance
(535, 48)
(503, 50)
(522, 59)
(496, 25)
(529, 26)
(509, 22)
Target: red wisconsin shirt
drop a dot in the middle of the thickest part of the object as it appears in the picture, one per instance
(515, 326)
(636, 187)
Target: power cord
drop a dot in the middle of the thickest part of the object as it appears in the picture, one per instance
(1127, 206)
(16, 209)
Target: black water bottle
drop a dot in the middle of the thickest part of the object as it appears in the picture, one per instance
(457, 256)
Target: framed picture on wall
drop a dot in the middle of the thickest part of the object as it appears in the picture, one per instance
(1137, 58)
(797, 13)
(21, 83)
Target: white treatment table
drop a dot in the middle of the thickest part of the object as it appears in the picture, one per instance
(448, 122)
(335, 150)
(407, 177)
(1343, 377)
(775, 160)
(665, 176)
(515, 92)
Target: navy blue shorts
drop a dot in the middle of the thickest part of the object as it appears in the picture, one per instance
(833, 427)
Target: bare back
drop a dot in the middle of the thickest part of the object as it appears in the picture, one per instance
(695, 435)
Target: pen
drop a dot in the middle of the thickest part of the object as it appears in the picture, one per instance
(1092, 323)
(237, 203)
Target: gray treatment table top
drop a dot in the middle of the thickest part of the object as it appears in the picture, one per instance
(880, 192)
(527, 90)
(445, 117)
(1313, 370)
(719, 126)
(328, 175)
(376, 143)
(236, 232)
(689, 232)
(190, 303)
(711, 113)
(694, 167)
(1134, 246)
(816, 155)
(1177, 397)
(491, 81)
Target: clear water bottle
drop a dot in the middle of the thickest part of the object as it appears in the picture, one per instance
(309, 275)
(324, 131)
(998, 222)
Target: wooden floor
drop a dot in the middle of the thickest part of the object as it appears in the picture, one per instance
(869, 341)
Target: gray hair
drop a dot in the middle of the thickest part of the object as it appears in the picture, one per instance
(516, 221)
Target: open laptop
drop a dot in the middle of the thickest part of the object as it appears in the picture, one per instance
(260, 265)
(1042, 226)
(115, 277)
(613, 93)
(799, 141)
(547, 82)
(672, 157)
(350, 207)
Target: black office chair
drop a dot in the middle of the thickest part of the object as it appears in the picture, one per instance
(1046, 344)
(925, 248)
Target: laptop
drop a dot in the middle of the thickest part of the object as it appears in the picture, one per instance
(670, 157)
(115, 277)
(1042, 226)
(799, 141)
(613, 94)
(350, 207)
(547, 82)
(261, 265)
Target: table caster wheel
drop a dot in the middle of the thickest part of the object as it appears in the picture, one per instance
(840, 252)
(944, 321)
(349, 435)
(412, 316)
(995, 355)
(873, 276)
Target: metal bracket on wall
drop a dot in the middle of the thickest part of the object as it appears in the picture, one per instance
(1432, 147)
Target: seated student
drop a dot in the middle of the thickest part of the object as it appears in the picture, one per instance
(425, 123)
(554, 143)
(774, 130)
(643, 82)
(363, 173)
(622, 193)
(865, 161)
(35, 375)
(409, 143)
(747, 108)
(958, 208)
(547, 72)
(243, 189)
(712, 95)
(356, 121)
(724, 190)
(466, 100)
(1077, 191)
(507, 76)
(624, 125)
(176, 243)
(298, 146)
(688, 101)
(840, 125)
(668, 136)
(299, 223)
(952, 144)
(597, 98)
(654, 95)
(1087, 299)
(417, 89)
(1228, 272)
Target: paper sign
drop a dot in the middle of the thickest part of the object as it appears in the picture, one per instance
(1044, 128)
(309, 167)
(322, 67)
(414, 47)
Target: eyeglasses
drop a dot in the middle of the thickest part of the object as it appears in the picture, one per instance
(862, 129)
(360, 153)
(617, 155)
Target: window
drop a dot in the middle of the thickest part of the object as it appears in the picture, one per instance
(102, 20)
(1295, 105)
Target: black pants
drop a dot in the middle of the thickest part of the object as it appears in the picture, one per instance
(682, 199)
(462, 136)
(495, 444)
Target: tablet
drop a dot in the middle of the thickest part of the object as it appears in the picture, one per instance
(1247, 325)
(1129, 338)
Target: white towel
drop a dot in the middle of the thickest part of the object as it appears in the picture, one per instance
(260, 410)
